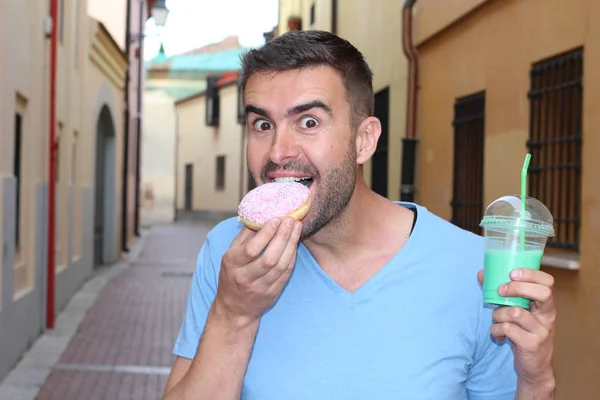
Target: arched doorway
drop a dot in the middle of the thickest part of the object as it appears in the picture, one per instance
(105, 190)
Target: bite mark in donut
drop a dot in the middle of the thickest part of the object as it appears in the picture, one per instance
(274, 200)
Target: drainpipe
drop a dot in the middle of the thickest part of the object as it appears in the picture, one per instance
(52, 169)
(409, 142)
(334, 16)
(126, 129)
(138, 137)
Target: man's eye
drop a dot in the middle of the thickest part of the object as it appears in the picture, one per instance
(262, 125)
(309, 123)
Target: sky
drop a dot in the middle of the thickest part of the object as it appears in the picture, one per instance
(195, 23)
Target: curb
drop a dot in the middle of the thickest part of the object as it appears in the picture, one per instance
(26, 379)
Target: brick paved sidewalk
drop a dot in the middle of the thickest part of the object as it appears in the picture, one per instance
(122, 349)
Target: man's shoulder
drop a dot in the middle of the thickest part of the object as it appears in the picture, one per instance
(445, 246)
(220, 237)
(444, 232)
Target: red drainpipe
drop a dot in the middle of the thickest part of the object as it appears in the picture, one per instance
(52, 168)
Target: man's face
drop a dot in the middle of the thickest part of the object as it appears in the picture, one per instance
(298, 125)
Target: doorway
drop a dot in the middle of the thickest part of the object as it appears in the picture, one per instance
(189, 186)
(105, 190)
(379, 161)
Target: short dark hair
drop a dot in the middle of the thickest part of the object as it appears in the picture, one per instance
(312, 48)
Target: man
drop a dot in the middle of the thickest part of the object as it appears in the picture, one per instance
(365, 298)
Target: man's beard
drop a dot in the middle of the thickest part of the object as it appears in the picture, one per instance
(335, 189)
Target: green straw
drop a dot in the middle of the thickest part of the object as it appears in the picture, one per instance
(524, 195)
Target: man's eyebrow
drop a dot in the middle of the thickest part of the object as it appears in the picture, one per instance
(300, 108)
(257, 110)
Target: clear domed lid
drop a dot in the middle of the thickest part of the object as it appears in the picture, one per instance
(504, 214)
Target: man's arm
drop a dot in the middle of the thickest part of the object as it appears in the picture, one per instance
(218, 369)
(219, 334)
(545, 391)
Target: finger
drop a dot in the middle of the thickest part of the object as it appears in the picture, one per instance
(272, 254)
(254, 246)
(287, 257)
(520, 317)
(480, 276)
(244, 234)
(280, 282)
(532, 276)
(517, 335)
(532, 291)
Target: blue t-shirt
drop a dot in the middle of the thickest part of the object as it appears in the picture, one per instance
(417, 330)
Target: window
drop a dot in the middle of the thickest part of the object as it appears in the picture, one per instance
(57, 160)
(18, 141)
(76, 18)
(379, 161)
(241, 114)
(74, 159)
(469, 133)
(212, 101)
(74, 177)
(61, 20)
(220, 178)
(555, 143)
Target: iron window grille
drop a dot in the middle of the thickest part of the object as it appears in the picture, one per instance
(555, 137)
(469, 135)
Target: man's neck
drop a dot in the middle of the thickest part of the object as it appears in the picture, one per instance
(367, 221)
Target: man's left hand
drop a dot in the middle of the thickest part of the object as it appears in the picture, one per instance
(531, 332)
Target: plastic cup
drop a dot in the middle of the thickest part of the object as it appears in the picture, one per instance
(515, 237)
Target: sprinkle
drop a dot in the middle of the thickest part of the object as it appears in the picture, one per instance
(272, 200)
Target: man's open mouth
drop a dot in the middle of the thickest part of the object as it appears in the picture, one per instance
(305, 180)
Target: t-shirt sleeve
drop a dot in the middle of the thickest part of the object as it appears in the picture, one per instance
(202, 292)
(492, 375)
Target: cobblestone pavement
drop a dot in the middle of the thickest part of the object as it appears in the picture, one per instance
(122, 350)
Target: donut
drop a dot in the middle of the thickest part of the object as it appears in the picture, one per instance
(274, 200)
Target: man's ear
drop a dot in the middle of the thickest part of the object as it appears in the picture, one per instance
(366, 139)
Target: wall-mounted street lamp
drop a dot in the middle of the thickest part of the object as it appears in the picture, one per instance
(160, 12)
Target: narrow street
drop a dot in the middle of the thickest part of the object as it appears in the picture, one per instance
(122, 349)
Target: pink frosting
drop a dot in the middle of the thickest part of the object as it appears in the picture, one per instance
(272, 200)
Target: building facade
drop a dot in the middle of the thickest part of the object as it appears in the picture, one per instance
(211, 170)
(375, 29)
(127, 28)
(41, 267)
(181, 144)
(498, 79)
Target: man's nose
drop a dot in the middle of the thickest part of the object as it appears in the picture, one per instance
(284, 147)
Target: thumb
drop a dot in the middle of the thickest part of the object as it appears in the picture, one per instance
(480, 277)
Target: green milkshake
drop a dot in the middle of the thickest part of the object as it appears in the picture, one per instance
(515, 237)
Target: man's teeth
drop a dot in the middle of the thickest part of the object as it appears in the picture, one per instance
(291, 179)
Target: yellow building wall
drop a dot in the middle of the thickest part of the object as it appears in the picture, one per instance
(200, 145)
(374, 28)
(23, 88)
(492, 49)
(71, 126)
(106, 71)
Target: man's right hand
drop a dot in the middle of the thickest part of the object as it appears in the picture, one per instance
(251, 279)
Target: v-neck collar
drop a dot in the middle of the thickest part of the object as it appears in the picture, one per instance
(397, 261)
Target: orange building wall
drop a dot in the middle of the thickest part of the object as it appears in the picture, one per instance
(492, 49)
